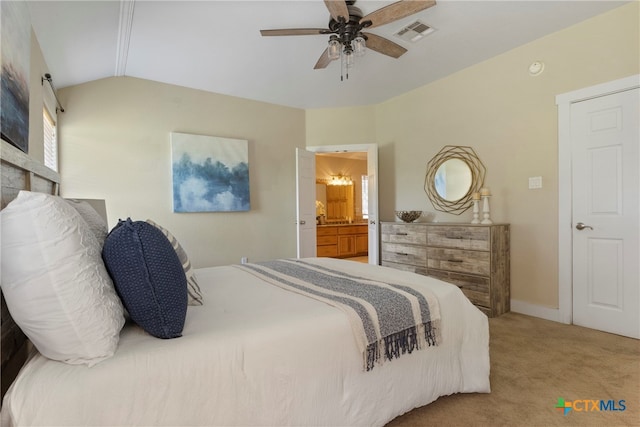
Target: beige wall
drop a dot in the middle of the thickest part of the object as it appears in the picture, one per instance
(510, 119)
(341, 126)
(115, 144)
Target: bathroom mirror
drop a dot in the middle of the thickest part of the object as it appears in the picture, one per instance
(338, 202)
(453, 175)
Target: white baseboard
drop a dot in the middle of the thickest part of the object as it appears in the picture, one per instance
(534, 310)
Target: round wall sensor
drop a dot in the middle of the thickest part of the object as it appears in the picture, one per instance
(536, 68)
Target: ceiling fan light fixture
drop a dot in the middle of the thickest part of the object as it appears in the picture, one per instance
(359, 46)
(347, 61)
(334, 48)
(349, 57)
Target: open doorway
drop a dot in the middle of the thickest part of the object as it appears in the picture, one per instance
(343, 171)
(342, 205)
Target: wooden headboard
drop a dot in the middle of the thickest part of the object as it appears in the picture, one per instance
(18, 172)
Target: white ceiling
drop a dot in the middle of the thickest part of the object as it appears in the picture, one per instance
(216, 46)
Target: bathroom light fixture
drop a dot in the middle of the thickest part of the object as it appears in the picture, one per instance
(340, 180)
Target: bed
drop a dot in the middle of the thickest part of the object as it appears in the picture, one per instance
(258, 354)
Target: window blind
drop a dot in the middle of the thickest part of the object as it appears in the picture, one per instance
(50, 140)
(49, 121)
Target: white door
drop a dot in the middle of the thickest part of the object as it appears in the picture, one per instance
(606, 221)
(306, 203)
(372, 172)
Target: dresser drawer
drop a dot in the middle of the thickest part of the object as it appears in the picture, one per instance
(326, 231)
(459, 237)
(326, 240)
(476, 288)
(404, 254)
(404, 233)
(474, 262)
(406, 267)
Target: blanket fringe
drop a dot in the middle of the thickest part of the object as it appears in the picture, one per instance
(399, 343)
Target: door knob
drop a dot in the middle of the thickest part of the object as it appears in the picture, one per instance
(373, 221)
(581, 226)
(303, 222)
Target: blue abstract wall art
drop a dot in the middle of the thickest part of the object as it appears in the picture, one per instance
(210, 174)
(15, 60)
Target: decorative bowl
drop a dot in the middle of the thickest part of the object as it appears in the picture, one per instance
(408, 216)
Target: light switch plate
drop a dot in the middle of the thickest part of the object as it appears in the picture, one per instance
(535, 182)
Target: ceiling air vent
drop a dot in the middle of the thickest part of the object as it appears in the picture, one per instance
(414, 31)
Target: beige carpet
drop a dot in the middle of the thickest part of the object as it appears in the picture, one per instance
(533, 363)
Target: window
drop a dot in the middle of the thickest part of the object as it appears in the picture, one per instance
(49, 125)
(365, 196)
(50, 140)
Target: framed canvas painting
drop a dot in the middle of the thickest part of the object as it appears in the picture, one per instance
(210, 174)
(15, 60)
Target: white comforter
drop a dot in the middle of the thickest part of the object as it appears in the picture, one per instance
(256, 354)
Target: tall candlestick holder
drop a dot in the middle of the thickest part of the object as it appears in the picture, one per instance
(485, 210)
(476, 212)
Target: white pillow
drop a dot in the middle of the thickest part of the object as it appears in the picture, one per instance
(96, 223)
(55, 284)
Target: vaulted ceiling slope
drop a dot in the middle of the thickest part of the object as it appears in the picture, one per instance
(216, 46)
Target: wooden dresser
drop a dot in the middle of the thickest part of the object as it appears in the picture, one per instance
(473, 257)
(343, 240)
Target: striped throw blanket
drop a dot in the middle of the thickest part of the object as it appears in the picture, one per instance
(388, 319)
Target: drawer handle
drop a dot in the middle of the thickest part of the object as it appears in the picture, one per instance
(403, 254)
(454, 260)
(401, 234)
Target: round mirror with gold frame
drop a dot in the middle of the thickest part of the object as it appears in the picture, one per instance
(453, 175)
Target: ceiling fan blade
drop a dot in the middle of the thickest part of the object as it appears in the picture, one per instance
(295, 32)
(397, 10)
(384, 46)
(337, 8)
(323, 61)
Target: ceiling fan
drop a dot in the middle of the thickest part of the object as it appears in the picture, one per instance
(345, 28)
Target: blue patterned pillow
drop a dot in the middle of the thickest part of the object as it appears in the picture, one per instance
(148, 277)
